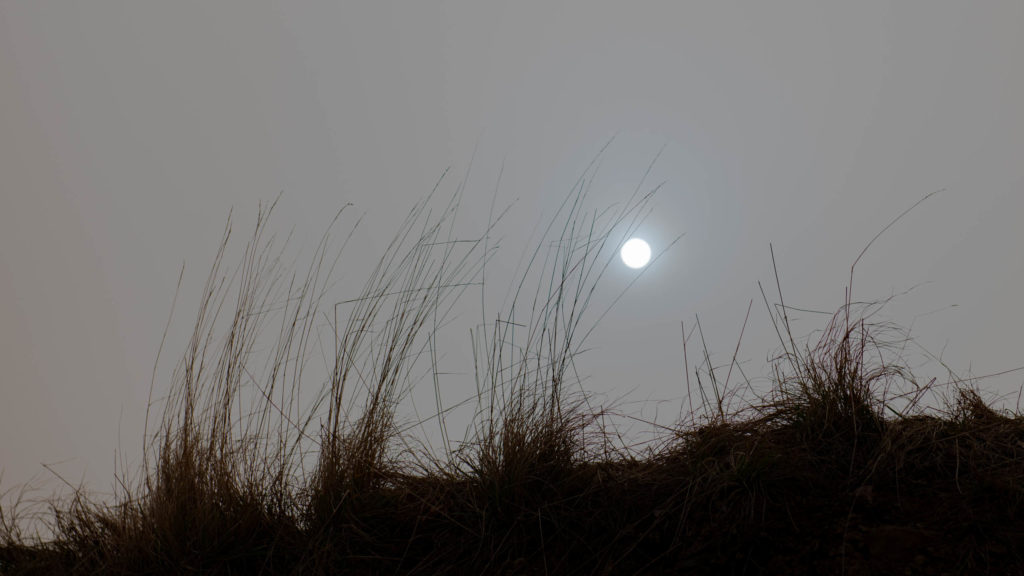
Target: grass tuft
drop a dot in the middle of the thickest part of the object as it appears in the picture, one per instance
(838, 468)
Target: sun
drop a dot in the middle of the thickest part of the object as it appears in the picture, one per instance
(635, 253)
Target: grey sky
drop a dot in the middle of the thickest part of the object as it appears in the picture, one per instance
(128, 130)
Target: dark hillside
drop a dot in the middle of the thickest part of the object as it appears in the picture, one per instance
(837, 470)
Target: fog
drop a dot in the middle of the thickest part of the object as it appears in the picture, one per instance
(129, 130)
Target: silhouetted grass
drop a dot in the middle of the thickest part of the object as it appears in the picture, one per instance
(837, 469)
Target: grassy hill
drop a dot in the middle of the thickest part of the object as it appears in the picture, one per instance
(838, 469)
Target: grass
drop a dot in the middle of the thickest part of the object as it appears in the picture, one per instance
(837, 469)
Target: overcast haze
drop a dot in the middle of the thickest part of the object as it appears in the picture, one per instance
(129, 129)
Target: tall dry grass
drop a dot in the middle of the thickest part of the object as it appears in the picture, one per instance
(837, 469)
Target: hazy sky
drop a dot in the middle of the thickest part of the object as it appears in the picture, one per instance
(129, 129)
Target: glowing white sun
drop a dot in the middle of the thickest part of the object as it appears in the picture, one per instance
(635, 253)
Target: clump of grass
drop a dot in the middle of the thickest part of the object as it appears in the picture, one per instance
(837, 469)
